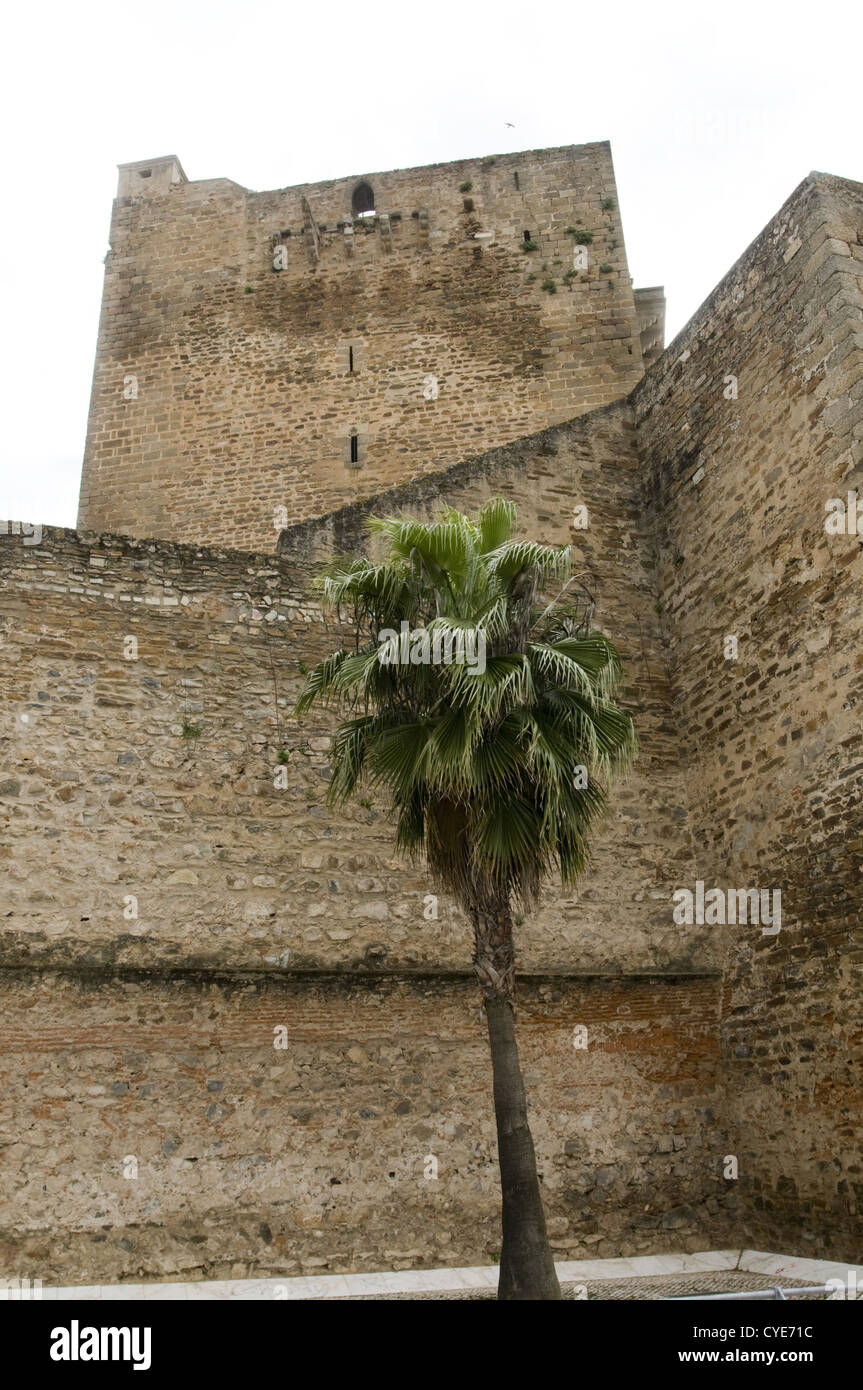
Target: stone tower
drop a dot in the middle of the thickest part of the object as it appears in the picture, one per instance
(176, 891)
(264, 358)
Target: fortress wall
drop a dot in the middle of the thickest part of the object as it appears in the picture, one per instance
(773, 741)
(152, 1131)
(245, 400)
(105, 798)
(153, 1036)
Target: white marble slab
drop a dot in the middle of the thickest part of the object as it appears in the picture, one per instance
(795, 1267)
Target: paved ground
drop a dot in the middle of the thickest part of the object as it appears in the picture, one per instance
(671, 1275)
(663, 1286)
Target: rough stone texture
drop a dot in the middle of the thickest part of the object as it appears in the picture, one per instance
(230, 870)
(245, 400)
(773, 741)
(255, 908)
(252, 1160)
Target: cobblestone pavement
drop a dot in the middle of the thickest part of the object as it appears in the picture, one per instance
(652, 1287)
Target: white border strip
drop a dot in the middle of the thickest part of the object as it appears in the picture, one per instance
(792, 1267)
(326, 1286)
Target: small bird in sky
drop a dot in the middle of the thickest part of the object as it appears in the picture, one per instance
(510, 124)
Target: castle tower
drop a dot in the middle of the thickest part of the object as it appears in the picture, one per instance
(266, 357)
(170, 905)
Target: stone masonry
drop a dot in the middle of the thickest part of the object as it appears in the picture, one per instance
(236, 1030)
(245, 336)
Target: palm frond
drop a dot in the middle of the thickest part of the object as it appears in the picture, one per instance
(512, 557)
(496, 521)
(495, 740)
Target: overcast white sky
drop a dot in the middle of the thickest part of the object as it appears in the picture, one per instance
(714, 113)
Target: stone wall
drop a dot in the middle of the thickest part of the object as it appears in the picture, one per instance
(145, 1030)
(223, 389)
(748, 425)
(151, 1129)
(231, 869)
(255, 906)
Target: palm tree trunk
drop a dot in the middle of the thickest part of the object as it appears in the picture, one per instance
(526, 1264)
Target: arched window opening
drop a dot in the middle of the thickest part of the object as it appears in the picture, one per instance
(363, 200)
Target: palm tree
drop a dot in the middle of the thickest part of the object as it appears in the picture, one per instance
(488, 716)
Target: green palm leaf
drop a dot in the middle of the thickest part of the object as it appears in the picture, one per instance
(484, 768)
